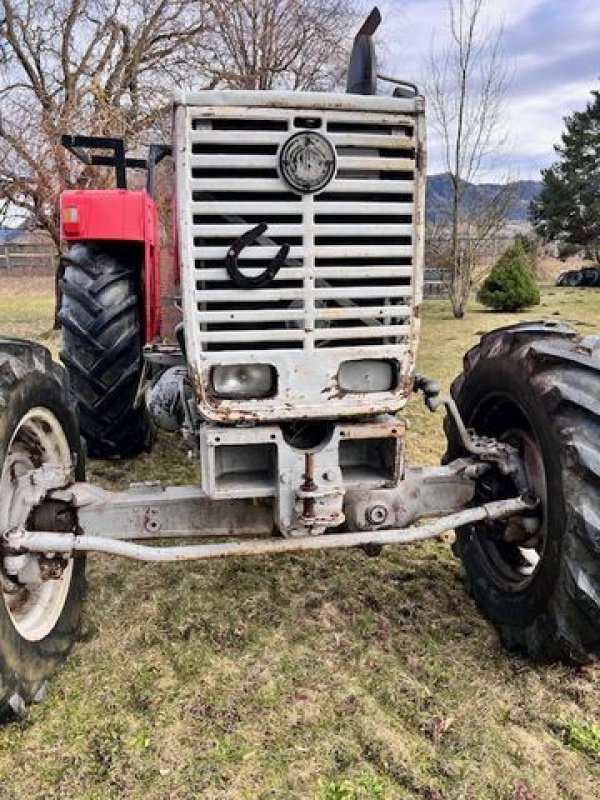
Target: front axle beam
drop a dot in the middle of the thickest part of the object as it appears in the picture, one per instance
(23, 541)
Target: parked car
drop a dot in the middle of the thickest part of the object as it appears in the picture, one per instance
(588, 276)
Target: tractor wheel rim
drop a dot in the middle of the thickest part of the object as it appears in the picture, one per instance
(33, 608)
(513, 565)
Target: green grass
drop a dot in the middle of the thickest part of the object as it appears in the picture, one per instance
(317, 677)
(364, 787)
(583, 737)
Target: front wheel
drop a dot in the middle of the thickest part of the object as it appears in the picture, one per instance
(39, 607)
(537, 386)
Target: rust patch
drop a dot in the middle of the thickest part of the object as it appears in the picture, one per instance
(309, 485)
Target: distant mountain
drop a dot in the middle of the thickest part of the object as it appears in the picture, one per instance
(439, 197)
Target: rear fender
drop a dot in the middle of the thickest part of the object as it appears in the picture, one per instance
(118, 215)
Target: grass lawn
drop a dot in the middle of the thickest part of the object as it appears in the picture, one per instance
(318, 677)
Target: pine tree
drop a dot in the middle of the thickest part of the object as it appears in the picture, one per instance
(510, 286)
(568, 208)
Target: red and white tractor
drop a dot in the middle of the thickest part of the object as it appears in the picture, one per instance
(299, 252)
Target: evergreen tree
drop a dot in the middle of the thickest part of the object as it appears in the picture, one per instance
(568, 208)
(510, 286)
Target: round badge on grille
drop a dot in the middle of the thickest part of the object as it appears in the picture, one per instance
(307, 162)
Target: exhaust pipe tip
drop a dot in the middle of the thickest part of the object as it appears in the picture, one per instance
(362, 69)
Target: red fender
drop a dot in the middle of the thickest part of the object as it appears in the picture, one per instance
(118, 215)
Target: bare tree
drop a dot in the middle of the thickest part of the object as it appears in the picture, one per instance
(108, 67)
(289, 44)
(86, 66)
(466, 90)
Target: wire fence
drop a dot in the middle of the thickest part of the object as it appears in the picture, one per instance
(28, 256)
(436, 283)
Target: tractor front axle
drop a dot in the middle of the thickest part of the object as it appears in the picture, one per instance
(24, 541)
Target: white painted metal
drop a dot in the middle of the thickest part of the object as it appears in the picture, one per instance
(38, 437)
(150, 510)
(287, 472)
(351, 284)
(69, 543)
(370, 108)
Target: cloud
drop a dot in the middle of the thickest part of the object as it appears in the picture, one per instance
(551, 48)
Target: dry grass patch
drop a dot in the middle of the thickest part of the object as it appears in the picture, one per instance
(316, 677)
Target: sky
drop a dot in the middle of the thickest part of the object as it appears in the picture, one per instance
(552, 50)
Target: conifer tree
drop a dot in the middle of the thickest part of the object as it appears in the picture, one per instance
(510, 286)
(568, 208)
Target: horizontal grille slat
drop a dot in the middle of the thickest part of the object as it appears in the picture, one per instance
(274, 335)
(242, 184)
(267, 295)
(374, 186)
(365, 208)
(259, 296)
(366, 312)
(208, 136)
(341, 122)
(219, 274)
(235, 207)
(342, 230)
(365, 140)
(264, 253)
(360, 292)
(230, 119)
(348, 162)
(358, 273)
(232, 231)
(259, 185)
(362, 251)
(256, 315)
(232, 160)
(347, 279)
(367, 332)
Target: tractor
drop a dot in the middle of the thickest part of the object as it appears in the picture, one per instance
(299, 226)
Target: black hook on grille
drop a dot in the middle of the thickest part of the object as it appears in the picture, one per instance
(265, 277)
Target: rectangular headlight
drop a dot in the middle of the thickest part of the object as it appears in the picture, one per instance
(367, 375)
(244, 381)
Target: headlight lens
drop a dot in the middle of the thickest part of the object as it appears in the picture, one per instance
(367, 375)
(244, 381)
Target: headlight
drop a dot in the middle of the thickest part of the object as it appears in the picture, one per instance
(367, 375)
(244, 381)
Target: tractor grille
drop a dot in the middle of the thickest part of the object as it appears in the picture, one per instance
(347, 281)
(350, 287)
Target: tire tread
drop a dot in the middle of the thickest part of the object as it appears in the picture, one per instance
(23, 683)
(564, 370)
(101, 347)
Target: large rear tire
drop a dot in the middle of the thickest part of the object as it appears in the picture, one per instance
(39, 619)
(100, 316)
(538, 386)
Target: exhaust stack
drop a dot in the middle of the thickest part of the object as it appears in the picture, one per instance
(362, 70)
